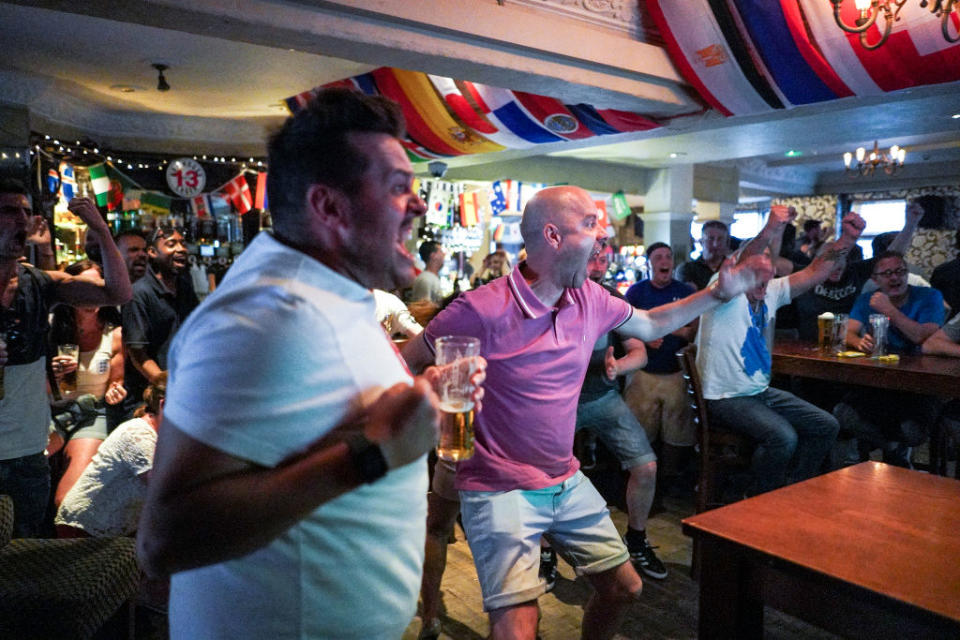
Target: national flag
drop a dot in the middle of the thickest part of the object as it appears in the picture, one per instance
(201, 205)
(238, 192)
(68, 181)
(100, 183)
(438, 204)
(620, 207)
(261, 202)
(468, 209)
(603, 220)
(156, 203)
(53, 181)
(498, 203)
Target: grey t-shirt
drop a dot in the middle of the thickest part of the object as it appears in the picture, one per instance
(952, 328)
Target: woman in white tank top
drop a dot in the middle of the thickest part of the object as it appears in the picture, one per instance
(98, 371)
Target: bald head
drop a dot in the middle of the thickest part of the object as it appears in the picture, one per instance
(558, 206)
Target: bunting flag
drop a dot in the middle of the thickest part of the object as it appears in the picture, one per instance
(447, 117)
(469, 216)
(755, 56)
(261, 200)
(201, 206)
(156, 203)
(620, 207)
(438, 203)
(237, 191)
(100, 183)
(498, 201)
(603, 220)
(68, 181)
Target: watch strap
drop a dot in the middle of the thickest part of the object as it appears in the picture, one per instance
(367, 458)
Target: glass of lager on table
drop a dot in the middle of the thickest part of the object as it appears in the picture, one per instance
(456, 360)
(825, 329)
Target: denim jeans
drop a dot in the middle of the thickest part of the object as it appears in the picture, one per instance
(27, 481)
(785, 427)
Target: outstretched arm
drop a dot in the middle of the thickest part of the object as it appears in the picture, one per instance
(939, 344)
(818, 270)
(732, 281)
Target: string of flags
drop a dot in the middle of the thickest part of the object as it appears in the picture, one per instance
(122, 192)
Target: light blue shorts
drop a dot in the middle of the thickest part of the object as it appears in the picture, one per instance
(504, 530)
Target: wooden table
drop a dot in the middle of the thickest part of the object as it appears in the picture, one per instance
(869, 551)
(930, 375)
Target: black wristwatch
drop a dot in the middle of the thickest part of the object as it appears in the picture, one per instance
(367, 458)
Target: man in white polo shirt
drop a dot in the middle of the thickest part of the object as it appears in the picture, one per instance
(275, 517)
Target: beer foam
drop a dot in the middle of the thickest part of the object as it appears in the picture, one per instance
(826, 315)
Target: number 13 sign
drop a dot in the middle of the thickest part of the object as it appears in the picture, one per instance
(186, 177)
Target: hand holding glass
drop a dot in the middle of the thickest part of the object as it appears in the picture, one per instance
(69, 381)
(456, 363)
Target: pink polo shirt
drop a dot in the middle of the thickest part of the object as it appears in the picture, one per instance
(536, 360)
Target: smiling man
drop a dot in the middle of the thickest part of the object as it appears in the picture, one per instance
(537, 328)
(288, 495)
(162, 300)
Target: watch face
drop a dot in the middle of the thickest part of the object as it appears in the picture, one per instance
(186, 177)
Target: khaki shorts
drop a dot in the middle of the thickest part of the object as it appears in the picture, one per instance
(661, 404)
(504, 530)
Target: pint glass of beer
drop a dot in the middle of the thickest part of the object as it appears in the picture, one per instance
(456, 362)
(69, 382)
(825, 331)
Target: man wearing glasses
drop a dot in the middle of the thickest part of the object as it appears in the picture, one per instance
(882, 418)
(162, 299)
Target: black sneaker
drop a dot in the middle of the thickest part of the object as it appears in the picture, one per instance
(645, 560)
(548, 567)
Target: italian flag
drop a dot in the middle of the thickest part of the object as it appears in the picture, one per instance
(100, 183)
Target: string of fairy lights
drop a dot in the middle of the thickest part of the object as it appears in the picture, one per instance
(55, 148)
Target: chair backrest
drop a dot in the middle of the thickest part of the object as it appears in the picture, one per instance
(688, 364)
(6, 520)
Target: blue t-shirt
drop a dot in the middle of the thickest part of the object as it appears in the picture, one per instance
(644, 295)
(924, 304)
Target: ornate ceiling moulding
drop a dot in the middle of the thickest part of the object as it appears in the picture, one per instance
(616, 15)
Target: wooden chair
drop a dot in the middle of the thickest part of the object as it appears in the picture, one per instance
(718, 449)
(61, 589)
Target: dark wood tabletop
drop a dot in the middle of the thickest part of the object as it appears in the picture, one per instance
(865, 542)
(930, 375)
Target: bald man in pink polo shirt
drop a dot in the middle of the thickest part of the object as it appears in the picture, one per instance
(537, 329)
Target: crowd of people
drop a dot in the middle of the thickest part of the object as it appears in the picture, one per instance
(269, 447)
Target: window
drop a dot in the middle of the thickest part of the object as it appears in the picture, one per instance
(881, 216)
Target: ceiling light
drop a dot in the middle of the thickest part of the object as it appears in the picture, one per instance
(162, 84)
(868, 162)
(793, 153)
(889, 10)
(956, 116)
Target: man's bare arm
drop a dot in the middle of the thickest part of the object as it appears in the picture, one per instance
(819, 270)
(903, 240)
(417, 354)
(204, 506)
(771, 234)
(143, 363)
(115, 287)
(938, 344)
(733, 280)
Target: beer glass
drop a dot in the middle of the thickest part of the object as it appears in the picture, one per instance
(456, 362)
(840, 321)
(68, 384)
(879, 324)
(825, 332)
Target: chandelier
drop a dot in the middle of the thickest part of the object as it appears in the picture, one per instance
(876, 159)
(889, 10)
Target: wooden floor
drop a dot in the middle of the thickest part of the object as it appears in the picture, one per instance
(668, 609)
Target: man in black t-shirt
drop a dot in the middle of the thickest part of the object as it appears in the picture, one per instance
(162, 299)
(26, 296)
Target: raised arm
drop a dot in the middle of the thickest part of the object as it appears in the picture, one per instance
(819, 270)
(204, 506)
(732, 281)
(114, 288)
(912, 217)
(779, 217)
